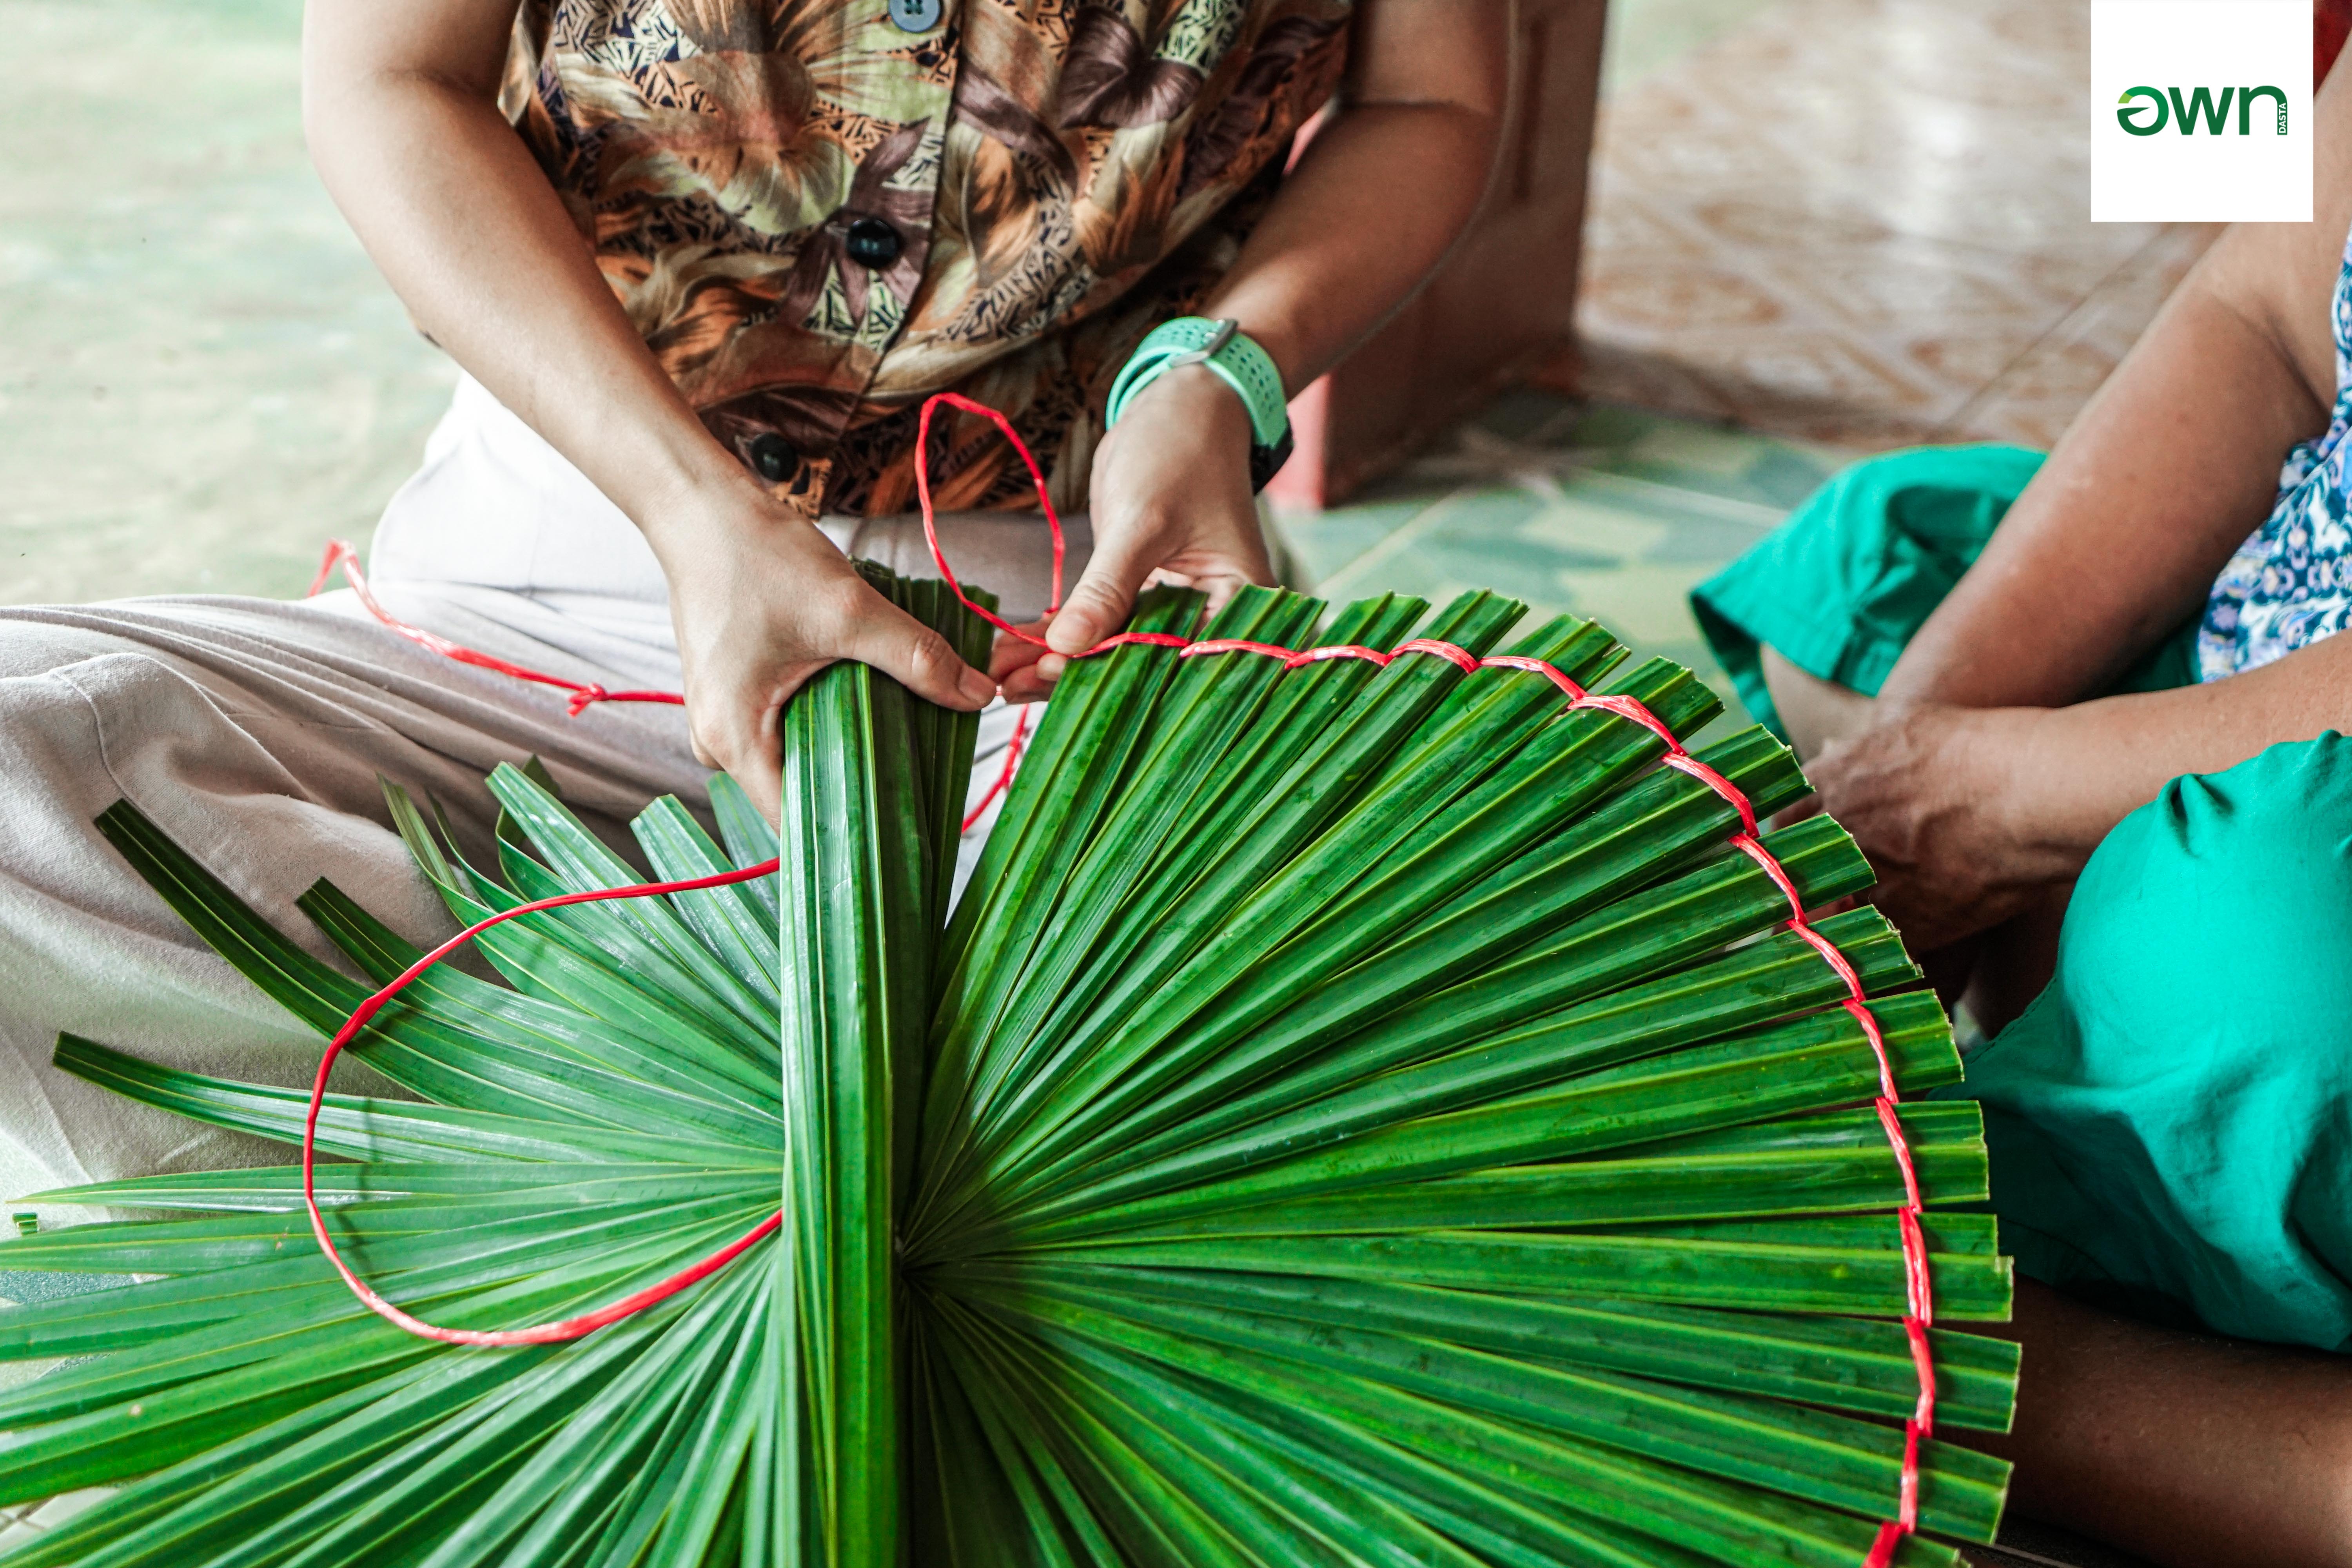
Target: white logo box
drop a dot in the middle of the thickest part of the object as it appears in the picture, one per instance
(2248, 173)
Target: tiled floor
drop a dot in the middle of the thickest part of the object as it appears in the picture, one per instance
(21, 1524)
(1865, 222)
(201, 377)
(1592, 510)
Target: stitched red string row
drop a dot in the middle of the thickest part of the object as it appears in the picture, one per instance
(1919, 1292)
(1919, 1299)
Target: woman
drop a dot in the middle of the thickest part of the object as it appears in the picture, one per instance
(2120, 709)
(701, 261)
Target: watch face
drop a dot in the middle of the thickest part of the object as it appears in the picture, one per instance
(1266, 461)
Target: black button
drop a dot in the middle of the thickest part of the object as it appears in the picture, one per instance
(774, 457)
(874, 243)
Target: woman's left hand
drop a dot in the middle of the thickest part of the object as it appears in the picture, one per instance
(1938, 797)
(1172, 503)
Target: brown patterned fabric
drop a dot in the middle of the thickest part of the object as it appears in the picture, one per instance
(1058, 176)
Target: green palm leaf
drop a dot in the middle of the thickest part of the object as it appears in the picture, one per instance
(1357, 1114)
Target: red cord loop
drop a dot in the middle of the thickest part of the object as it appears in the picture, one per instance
(1012, 749)
(543, 1334)
(1460, 659)
(1919, 1309)
(1557, 676)
(1233, 644)
(1336, 650)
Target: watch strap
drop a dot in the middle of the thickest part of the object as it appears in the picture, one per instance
(1232, 354)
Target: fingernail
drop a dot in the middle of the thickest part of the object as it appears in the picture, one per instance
(976, 686)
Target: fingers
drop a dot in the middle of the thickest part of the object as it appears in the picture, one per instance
(1098, 606)
(1011, 653)
(736, 693)
(1220, 587)
(743, 740)
(875, 631)
(1026, 685)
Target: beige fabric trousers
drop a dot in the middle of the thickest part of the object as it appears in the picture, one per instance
(254, 732)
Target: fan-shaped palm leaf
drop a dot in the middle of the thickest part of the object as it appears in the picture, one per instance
(1360, 1113)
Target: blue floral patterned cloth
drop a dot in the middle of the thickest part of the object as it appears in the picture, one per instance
(2289, 584)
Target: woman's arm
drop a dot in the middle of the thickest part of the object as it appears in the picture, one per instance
(1379, 196)
(1973, 792)
(2118, 538)
(400, 104)
(1967, 813)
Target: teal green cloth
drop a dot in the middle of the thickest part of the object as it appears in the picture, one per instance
(1839, 589)
(2171, 1122)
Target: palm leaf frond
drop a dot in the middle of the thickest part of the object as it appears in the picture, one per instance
(1360, 1112)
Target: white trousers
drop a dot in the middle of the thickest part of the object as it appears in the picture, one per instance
(255, 733)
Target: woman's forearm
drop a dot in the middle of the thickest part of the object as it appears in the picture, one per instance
(405, 128)
(2074, 773)
(1370, 212)
(2119, 539)
(1385, 189)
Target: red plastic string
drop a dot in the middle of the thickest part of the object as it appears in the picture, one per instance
(341, 552)
(544, 1333)
(1003, 781)
(1235, 644)
(930, 522)
(1919, 1298)
(1336, 650)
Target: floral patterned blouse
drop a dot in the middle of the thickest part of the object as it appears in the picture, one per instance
(2289, 584)
(818, 212)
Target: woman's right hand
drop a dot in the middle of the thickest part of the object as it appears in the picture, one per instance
(1938, 798)
(761, 601)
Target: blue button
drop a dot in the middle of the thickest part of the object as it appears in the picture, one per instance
(916, 16)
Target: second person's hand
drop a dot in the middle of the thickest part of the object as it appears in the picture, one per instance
(1932, 795)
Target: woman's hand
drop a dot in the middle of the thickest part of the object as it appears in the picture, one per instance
(762, 601)
(1172, 503)
(1938, 797)
(1364, 216)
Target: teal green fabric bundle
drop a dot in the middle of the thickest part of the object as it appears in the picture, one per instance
(1840, 588)
(2171, 1121)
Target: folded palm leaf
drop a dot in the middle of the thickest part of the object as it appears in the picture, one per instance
(1357, 1114)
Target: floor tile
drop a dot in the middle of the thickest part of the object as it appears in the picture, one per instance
(2034, 398)
(1864, 222)
(1647, 34)
(64, 1505)
(203, 378)
(1602, 510)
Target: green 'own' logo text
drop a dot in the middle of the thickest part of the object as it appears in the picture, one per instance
(2170, 108)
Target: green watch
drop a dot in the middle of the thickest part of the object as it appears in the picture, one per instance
(1238, 362)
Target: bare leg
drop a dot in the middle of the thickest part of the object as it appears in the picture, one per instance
(2015, 961)
(2189, 1450)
